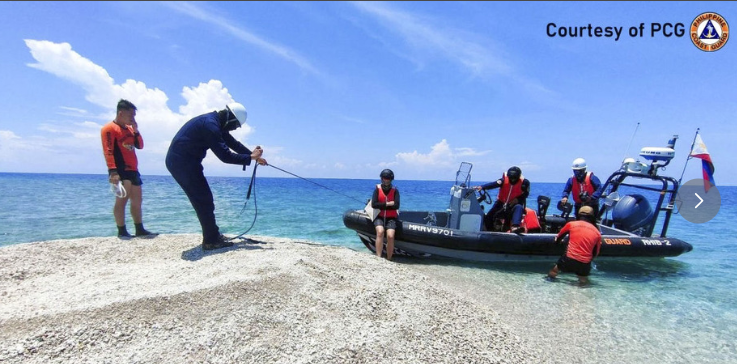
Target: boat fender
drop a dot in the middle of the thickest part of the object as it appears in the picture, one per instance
(531, 223)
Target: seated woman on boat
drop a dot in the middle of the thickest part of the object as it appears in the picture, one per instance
(511, 200)
(386, 199)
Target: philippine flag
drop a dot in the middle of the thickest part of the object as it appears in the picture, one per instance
(699, 151)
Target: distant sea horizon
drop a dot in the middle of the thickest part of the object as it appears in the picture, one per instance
(302, 177)
(675, 310)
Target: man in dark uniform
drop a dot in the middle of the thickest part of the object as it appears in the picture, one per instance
(184, 162)
(511, 201)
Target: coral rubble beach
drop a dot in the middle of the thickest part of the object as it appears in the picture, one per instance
(267, 300)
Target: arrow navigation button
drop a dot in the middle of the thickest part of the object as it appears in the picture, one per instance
(694, 204)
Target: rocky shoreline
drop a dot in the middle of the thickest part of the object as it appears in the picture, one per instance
(267, 300)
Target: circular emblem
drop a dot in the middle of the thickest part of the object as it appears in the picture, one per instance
(709, 32)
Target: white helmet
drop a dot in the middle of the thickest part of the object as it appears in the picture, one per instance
(238, 111)
(578, 163)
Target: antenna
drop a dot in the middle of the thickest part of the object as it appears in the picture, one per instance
(631, 139)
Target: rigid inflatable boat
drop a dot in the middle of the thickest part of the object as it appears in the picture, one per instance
(635, 202)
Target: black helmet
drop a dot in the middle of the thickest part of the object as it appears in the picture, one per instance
(388, 174)
(514, 173)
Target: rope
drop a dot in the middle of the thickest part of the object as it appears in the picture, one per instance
(325, 187)
(252, 186)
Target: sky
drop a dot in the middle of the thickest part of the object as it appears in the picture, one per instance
(346, 89)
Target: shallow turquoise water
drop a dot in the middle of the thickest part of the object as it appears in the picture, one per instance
(676, 310)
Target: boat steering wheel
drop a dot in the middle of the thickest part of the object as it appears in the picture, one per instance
(483, 196)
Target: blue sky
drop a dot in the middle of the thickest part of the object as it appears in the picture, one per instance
(344, 89)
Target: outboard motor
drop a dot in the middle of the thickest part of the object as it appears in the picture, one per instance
(542, 207)
(632, 212)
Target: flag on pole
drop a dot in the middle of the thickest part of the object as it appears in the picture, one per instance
(699, 151)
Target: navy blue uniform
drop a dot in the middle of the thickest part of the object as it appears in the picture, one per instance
(184, 162)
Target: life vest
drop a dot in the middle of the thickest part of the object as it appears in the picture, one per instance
(531, 222)
(509, 192)
(581, 187)
(384, 198)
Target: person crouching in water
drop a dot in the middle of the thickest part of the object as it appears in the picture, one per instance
(386, 200)
(584, 244)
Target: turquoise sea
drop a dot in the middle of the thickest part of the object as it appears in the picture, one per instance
(675, 310)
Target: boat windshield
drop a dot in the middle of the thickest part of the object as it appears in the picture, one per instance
(463, 176)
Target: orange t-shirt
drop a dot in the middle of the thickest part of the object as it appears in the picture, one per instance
(119, 145)
(584, 236)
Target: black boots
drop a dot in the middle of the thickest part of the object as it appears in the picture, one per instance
(220, 242)
(143, 233)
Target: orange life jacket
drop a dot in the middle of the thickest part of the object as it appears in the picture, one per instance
(509, 192)
(531, 223)
(577, 187)
(386, 198)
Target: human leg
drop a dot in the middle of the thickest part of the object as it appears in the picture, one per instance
(517, 211)
(119, 215)
(136, 198)
(595, 206)
(491, 215)
(132, 184)
(191, 179)
(576, 207)
(389, 243)
(558, 267)
(391, 227)
(380, 239)
(517, 218)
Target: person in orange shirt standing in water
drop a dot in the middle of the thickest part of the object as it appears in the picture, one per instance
(584, 244)
(120, 139)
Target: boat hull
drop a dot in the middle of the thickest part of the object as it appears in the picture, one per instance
(415, 238)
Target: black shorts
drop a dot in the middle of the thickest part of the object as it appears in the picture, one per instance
(566, 264)
(391, 223)
(132, 176)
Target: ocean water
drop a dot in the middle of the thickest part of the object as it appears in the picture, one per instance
(675, 310)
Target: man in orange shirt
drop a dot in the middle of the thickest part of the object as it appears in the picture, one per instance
(584, 245)
(120, 139)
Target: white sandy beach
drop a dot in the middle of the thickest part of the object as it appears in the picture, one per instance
(270, 300)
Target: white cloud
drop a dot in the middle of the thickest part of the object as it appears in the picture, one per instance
(428, 35)
(79, 142)
(212, 19)
(441, 156)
